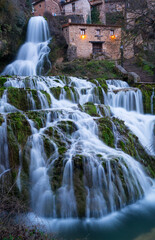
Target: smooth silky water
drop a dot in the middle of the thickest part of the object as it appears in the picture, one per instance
(34, 52)
(102, 219)
(109, 214)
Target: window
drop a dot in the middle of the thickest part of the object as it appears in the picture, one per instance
(97, 48)
(83, 31)
(98, 32)
(73, 7)
(111, 32)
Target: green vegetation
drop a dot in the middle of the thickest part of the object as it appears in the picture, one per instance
(106, 131)
(2, 81)
(85, 68)
(115, 18)
(146, 64)
(90, 108)
(95, 15)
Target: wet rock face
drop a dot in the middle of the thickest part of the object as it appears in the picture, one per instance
(13, 17)
(148, 97)
(68, 154)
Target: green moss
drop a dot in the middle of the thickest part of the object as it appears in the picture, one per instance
(2, 81)
(147, 90)
(47, 97)
(38, 117)
(13, 147)
(79, 188)
(1, 92)
(56, 174)
(68, 93)
(90, 108)
(19, 127)
(103, 84)
(1, 119)
(18, 98)
(130, 144)
(62, 150)
(48, 146)
(68, 127)
(106, 131)
(56, 91)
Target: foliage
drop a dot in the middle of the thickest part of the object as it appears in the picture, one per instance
(115, 18)
(95, 15)
(91, 68)
(10, 229)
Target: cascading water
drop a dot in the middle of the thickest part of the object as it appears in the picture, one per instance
(93, 179)
(32, 55)
(126, 103)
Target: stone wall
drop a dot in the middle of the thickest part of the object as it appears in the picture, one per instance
(151, 4)
(51, 6)
(39, 8)
(110, 48)
(114, 6)
(82, 7)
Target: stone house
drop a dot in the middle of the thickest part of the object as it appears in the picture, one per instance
(88, 40)
(78, 7)
(42, 6)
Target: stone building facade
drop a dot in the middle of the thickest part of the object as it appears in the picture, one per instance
(78, 7)
(93, 40)
(42, 6)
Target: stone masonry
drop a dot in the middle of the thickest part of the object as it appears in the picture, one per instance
(42, 6)
(95, 36)
(78, 7)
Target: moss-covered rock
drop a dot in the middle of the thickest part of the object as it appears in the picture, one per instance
(2, 81)
(147, 90)
(106, 130)
(79, 188)
(38, 117)
(19, 98)
(68, 127)
(19, 126)
(102, 83)
(1, 119)
(90, 108)
(56, 91)
(130, 144)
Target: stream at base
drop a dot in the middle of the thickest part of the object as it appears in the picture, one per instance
(134, 222)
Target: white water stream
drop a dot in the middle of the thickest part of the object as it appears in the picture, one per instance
(34, 52)
(103, 186)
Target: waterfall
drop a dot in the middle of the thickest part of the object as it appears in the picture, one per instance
(34, 52)
(111, 179)
(126, 104)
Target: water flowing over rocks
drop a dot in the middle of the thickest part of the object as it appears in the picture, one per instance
(34, 52)
(76, 148)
